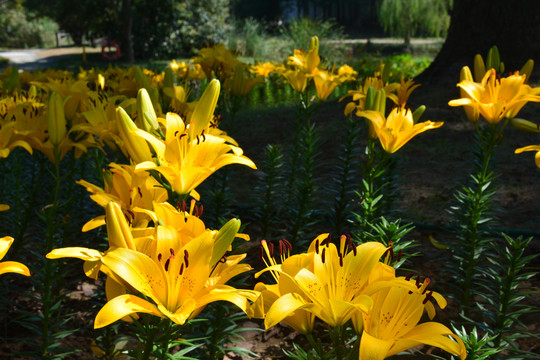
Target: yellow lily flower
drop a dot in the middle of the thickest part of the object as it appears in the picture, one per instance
(398, 128)
(326, 281)
(264, 69)
(308, 61)
(531, 148)
(133, 191)
(296, 78)
(325, 83)
(392, 324)
(188, 155)
(403, 92)
(10, 266)
(10, 140)
(180, 281)
(496, 99)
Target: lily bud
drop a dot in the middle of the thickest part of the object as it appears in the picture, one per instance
(314, 44)
(32, 92)
(56, 120)
(204, 110)
(527, 69)
(417, 114)
(118, 230)
(224, 239)
(479, 68)
(380, 101)
(370, 99)
(525, 125)
(101, 81)
(145, 110)
(136, 146)
(465, 74)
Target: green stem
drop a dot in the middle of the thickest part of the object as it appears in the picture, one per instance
(50, 267)
(488, 143)
(316, 345)
(336, 333)
(150, 332)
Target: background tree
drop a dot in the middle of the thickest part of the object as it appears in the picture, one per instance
(514, 26)
(407, 18)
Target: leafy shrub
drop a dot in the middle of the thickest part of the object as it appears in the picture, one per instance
(19, 30)
(300, 31)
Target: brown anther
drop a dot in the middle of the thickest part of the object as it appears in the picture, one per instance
(261, 253)
(176, 133)
(354, 249)
(409, 276)
(181, 269)
(428, 296)
(287, 244)
(172, 253)
(159, 257)
(130, 201)
(181, 136)
(200, 210)
(410, 292)
(223, 259)
(132, 214)
(167, 263)
(317, 246)
(202, 135)
(400, 254)
(418, 281)
(186, 254)
(328, 240)
(184, 205)
(186, 261)
(281, 247)
(196, 211)
(139, 190)
(271, 249)
(341, 260)
(323, 255)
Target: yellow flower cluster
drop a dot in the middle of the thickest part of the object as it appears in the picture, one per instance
(338, 283)
(156, 250)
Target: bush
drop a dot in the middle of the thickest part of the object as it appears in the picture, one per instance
(301, 30)
(19, 30)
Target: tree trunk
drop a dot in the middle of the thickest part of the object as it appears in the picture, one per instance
(476, 26)
(127, 23)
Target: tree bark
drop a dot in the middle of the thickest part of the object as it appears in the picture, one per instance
(126, 18)
(476, 26)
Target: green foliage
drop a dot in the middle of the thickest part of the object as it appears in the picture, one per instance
(301, 30)
(269, 190)
(406, 18)
(20, 29)
(474, 214)
(200, 22)
(342, 186)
